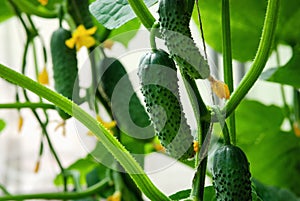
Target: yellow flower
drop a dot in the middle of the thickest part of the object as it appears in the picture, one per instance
(115, 197)
(81, 37)
(20, 123)
(219, 88)
(196, 146)
(43, 2)
(43, 76)
(107, 125)
(37, 166)
(108, 44)
(296, 129)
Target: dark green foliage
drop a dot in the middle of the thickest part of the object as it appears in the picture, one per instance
(231, 175)
(79, 10)
(158, 77)
(64, 67)
(174, 18)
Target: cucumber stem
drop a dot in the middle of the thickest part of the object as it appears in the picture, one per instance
(110, 142)
(221, 119)
(142, 12)
(60, 195)
(227, 61)
(260, 60)
(153, 33)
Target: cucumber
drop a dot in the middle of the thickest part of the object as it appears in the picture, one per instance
(65, 68)
(231, 174)
(158, 79)
(111, 72)
(174, 19)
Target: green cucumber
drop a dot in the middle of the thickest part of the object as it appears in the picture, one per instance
(158, 78)
(231, 174)
(111, 73)
(174, 19)
(65, 68)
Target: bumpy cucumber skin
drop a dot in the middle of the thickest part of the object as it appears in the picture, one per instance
(65, 68)
(231, 174)
(112, 71)
(170, 125)
(174, 18)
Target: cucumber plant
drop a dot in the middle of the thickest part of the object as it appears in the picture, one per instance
(159, 85)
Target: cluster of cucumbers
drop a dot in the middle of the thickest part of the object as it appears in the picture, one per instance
(158, 78)
(159, 86)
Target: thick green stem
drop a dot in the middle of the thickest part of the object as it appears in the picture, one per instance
(60, 195)
(109, 141)
(153, 33)
(26, 105)
(223, 125)
(227, 61)
(260, 60)
(142, 12)
(203, 124)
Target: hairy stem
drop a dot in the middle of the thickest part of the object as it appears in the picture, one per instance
(60, 195)
(110, 142)
(260, 60)
(227, 61)
(142, 12)
(26, 105)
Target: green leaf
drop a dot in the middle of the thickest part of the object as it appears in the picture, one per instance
(251, 120)
(181, 195)
(209, 194)
(2, 124)
(126, 32)
(113, 14)
(5, 11)
(246, 21)
(271, 193)
(83, 166)
(287, 74)
(272, 153)
(288, 28)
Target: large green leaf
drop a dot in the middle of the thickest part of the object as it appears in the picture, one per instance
(2, 124)
(254, 120)
(126, 32)
(5, 11)
(287, 74)
(273, 154)
(247, 19)
(113, 14)
(288, 30)
(271, 193)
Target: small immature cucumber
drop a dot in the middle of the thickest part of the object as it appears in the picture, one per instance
(64, 67)
(158, 78)
(174, 18)
(231, 175)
